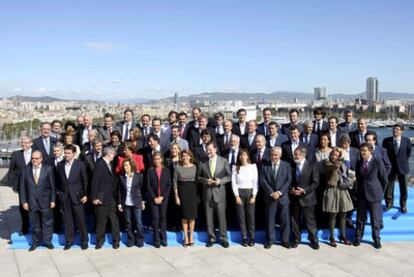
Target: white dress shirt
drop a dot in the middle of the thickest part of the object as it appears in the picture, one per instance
(242, 128)
(247, 178)
(27, 154)
(333, 138)
(68, 167)
(128, 199)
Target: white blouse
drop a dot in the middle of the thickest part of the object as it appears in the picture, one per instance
(247, 178)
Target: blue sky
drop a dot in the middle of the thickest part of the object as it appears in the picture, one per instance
(103, 49)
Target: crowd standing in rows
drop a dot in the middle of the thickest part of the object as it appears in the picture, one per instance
(187, 175)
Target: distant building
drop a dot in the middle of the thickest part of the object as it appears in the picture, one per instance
(372, 89)
(176, 98)
(320, 93)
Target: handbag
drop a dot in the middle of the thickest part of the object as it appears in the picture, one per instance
(347, 178)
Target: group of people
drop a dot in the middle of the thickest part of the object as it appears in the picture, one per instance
(194, 174)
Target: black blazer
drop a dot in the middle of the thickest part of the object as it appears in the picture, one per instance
(281, 138)
(236, 129)
(372, 185)
(194, 137)
(286, 128)
(136, 189)
(312, 144)
(348, 129)
(400, 164)
(325, 126)
(282, 182)
(222, 146)
(309, 181)
(41, 195)
(16, 166)
(104, 182)
(200, 155)
(261, 129)
(152, 184)
(38, 145)
(287, 154)
(355, 141)
(79, 133)
(74, 187)
(266, 159)
(244, 142)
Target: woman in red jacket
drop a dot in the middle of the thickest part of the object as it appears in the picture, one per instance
(129, 154)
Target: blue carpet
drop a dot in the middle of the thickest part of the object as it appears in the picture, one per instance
(397, 227)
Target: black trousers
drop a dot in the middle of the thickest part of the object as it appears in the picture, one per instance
(73, 215)
(272, 207)
(103, 213)
(246, 213)
(42, 225)
(159, 221)
(24, 215)
(389, 191)
(308, 213)
(375, 211)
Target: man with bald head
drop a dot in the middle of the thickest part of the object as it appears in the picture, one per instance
(82, 133)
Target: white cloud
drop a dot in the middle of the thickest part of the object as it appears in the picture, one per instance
(102, 46)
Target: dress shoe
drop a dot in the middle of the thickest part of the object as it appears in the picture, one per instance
(286, 245)
(98, 245)
(403, 210)
(139, 244)
(129, 244)
(164, 243)
(388, 207)
(377, 244)
(157, 245)
(115, 245)
(295, 243)
(68, 246)
(268, 245)
(251, 242)
(84, 245)
(332, 242)
(33, 247)
(357, 242)
(345, 241)
(49, 246)
(244, 242)
(314, 245)
(225, 244)
(209, 244)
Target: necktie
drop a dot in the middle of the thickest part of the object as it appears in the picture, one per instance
(181, 130)
(36, 175)
(361, 138)
(212, 168)
(396, 147)
(47, 146)
(265, 129)
(109, 131)
(125, 137)
(365, 168)
(227, 139)
(258, 157)
(306, 139)
(275, 169)
(298, 171)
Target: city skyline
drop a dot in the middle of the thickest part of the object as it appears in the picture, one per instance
(136, 49)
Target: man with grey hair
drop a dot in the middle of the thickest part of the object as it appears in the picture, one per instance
(88, 146)
(82, 133)
(45, 142)
(234, 150)
(309, 138)
(103, 197)
(275, 182)
(223, 140)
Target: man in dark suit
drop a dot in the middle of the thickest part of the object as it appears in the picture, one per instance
(196, 113)
(45, 142)
(165, 139)
(399, 151)
(357, 136)
(348, 125)
(240, 127)
(175, 138)
(106, 130)
(125, 126)
(261, 154)
(104, 195)
(200, 152)
(275, 182)
(263, 128)
(310, 139)
(88, 146)
(248, 141)
(195, 132)
(379, 152)
(92, 158)
(218, 124)
(319, 124)
(274, 137)
(19, 160)
(288, 148)
(183, 125)
(213, 175)
(334, 132)
(303, 198)
(223, 141)
(83, 131)
(153, 146)
(371, 182)
(294, 120)
(145, 128)
(72, 186)
(37, 196)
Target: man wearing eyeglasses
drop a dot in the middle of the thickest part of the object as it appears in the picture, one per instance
(37, 196)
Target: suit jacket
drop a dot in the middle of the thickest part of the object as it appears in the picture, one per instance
(266, 159)
(354, 157)
(325, 126)
(119, 126)
(309, 181)
(287, 154)
(200, 155)
(355, 139)
(280, 139)
(16, 166)
(399, 161)
(372, 185)
(381, 153)
(194, 137)
(236, 129)
(281, 182)
(41, 195)
(103, 132)
(76, 186)
(79, 134)
(38, 145)
(186, 132)
(261, 129)
(136, 192)
(222, 172)
(104, 182)
(152, 184)
(183, 143)
(244, 142)
(222, 146)
(348, 129)
(165, 140)
(89, 161)
(339, 133)
(312, 145)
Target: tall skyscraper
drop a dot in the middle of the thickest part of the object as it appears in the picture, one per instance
(176, 98)
(320, 93)
(372, 89)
